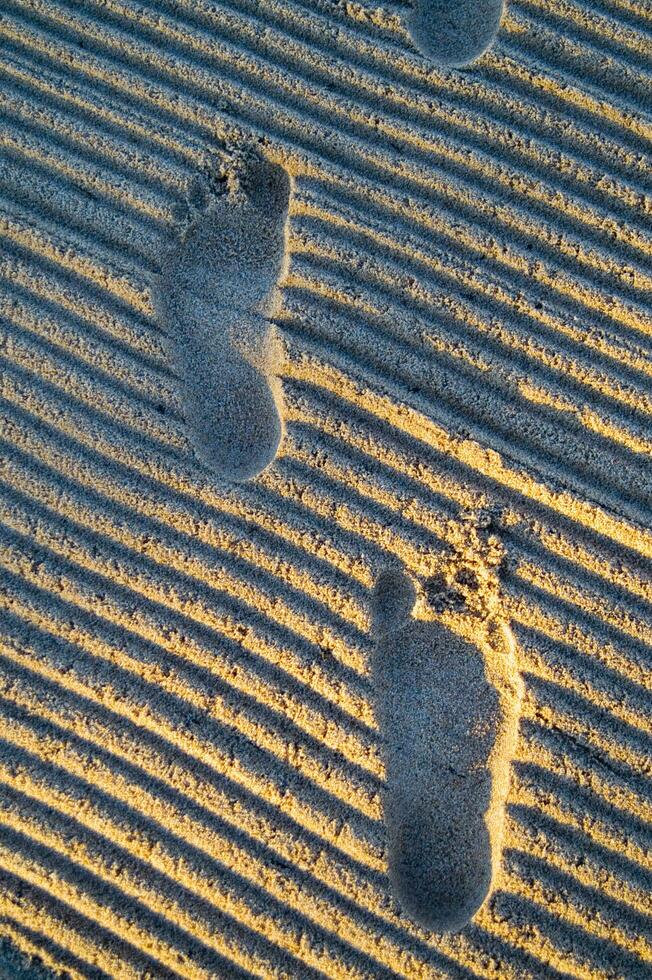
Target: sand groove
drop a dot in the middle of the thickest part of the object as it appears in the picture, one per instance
(189, 759)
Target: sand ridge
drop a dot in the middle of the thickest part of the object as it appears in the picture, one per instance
(187, 706)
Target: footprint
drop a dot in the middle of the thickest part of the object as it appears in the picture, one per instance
(448, 710)
(217, 290)
(454, 32)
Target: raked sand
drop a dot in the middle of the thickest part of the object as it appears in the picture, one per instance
(191, 767)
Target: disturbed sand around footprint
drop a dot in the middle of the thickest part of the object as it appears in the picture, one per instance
(448, 709)
(217, 291)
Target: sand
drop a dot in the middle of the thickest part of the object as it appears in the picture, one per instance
(448, 697)
(214, 298)
(192, 749)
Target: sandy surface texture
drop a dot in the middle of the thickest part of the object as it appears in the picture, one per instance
(448, 314)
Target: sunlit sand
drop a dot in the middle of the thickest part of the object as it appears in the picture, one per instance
(325, 515)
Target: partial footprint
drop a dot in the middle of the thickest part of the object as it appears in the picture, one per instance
(448, 710)
(454, 32)
(217, 290)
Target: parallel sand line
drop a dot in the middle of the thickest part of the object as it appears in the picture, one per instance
(605, 567)
(546, 942)
(483, 460)
(30, 355)
(33, 779)
(269, 735)
(609, 656)
(179, 823)
(141, 17)
(80, 170)
(528, 615)
(30, 227)
(446, 393)
(603, 383)
(596, 27)
(573, 58)
(55, 122)
(300, 410)
(636, 8)
(556, 83)
(72, 105)
(352, 475)
(37, 949)
(205, 46)
(489, 91)
(630, 13)
(487, 462)
(45, 320)
(77, 509)
(610, 835)
(176, 554)
(590, 643)
(93, 311)
(335, 221)
(582, 677)
(111, 783)
(449, 355)
(584, 965)
(584, 292)
(57, 198)
(21, 910)
(50, 133)
(596, 605)
(321, 251)
(629, 758)
(569, 900)
(557, 964)
(53, 416)
(599, 382)
(59, 880)
(603, 405)
(423, 515)
(178, 488)
(342, 629)
(331, 829)
(292, 20)
(579, 53)
(68, 829)
(49, 245)
(226, 533)
(60, 90)
(88, 385)
(112, 701)
(562, 756)
(540, 835)
(356, 748)
(233, 671)
(402, 459)
(146, 94)
(604, 922)
(344, 471)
